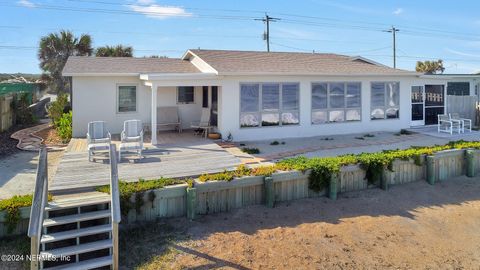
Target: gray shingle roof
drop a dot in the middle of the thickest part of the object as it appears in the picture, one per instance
(290, 62)
(126, 65)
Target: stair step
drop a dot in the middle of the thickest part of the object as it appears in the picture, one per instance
(48, 238)
(76, 202)
(75, 218)
(77, 249)
(87, 264)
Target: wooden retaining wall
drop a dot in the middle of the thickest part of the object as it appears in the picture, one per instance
(22, 226)
(351, 178)
(449, 163)
(6, 112)
(169, 201)
(222, 196)
(406, 171)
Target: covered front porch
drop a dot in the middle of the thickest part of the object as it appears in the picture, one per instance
(183, 104)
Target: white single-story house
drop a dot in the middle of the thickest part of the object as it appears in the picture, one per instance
(260, 95)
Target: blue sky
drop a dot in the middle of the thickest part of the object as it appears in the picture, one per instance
(449, 30)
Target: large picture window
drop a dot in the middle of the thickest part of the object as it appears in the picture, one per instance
(336, 102)
(185, 94)
(385, 100)
(269, 104)
(127, 98)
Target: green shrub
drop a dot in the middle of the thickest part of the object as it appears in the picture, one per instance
(274, 143)
(13, 205)
(23, 114)
(251, 150)
(263, 171)
(56, 108)
(64, 127)
(127, 189)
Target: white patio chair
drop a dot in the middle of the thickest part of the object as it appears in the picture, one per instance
(131, 138)
(445, 124)
(98, 139)
(204, 123)
(168, 116)
(466, 123)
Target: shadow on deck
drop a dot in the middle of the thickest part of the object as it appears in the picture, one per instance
(178, 155)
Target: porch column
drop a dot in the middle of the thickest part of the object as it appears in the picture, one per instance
(154, 114)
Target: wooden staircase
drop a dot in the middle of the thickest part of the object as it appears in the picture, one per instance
(75, 231)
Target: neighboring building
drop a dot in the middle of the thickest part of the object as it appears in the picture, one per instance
(260, 95)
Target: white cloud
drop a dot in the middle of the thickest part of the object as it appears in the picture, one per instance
(152, 10)
(398, 11)
(26, 3)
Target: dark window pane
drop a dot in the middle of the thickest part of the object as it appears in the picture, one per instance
(434, 95)
(431, 115)
(417, 94)
(458, 88)
(127, 98)
(319, 96)
(249, 97)
(417, 112)
(205, 97)
(185, 94)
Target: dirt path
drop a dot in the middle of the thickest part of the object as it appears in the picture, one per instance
(414, 226)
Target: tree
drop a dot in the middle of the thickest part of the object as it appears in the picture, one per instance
(55, 48)
(430, 67)
(114, 51)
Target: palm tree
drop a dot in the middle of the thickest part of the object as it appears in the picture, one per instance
(430, 67)
(55, 48)
(114, 51)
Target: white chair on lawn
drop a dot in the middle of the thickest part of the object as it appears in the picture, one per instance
(466, 123)
(98, 139)
(131, 138)
(204, 123)
(445, 124)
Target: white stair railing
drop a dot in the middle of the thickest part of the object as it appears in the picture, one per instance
(115, 204)
(40, 198)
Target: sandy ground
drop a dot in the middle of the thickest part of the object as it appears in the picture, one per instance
(413, 226)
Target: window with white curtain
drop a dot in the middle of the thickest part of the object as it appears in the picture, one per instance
(127, 98)
(385, 100)
(269, 104)
(336, 102)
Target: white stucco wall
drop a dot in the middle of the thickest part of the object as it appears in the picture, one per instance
(229, 121)
(95, 99)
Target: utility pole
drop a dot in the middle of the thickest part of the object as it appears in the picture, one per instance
(266, 35)
(394, 30)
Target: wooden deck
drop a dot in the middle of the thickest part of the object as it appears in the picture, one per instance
(178, 156)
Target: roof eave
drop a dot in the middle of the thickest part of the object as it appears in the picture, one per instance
(169, 76)
(402, 74)
(97, 74)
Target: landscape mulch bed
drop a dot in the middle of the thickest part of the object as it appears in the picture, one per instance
(50, 136)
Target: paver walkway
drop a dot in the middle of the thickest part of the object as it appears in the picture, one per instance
(27, 140)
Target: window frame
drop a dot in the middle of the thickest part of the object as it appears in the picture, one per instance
(178, 92)
(259, 112)
(329, 109)
(117, 104)
(385, 106)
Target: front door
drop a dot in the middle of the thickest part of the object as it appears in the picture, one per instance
(418, 108)
(434, 103)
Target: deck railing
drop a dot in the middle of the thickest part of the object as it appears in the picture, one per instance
(40, 198)
(115, 203)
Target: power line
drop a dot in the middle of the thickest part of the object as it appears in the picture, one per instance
(266, 35)
(394, 31)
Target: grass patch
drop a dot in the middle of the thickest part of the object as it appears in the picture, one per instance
(12, 207)
(250, 151)
(127, 189)
(368, 135)
(275, 143)
(360, 138)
